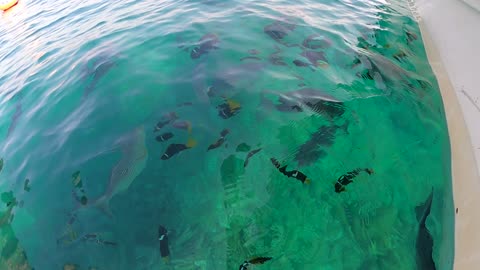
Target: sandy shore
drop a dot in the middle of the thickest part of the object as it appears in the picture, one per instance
(465, 176)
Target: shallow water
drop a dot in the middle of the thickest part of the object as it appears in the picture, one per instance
(84, 83)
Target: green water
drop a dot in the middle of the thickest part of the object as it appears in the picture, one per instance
(78, 78)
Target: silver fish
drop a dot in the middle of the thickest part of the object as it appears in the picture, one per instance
(16, 115)
(132, 163)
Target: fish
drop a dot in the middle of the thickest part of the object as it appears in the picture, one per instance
(249, 155)
(381, 69)
(101, 67)
(300, 63)
(228, 109)
(314, 58)
(235, 75)
(163, 239)
(220, 141)
(1, 164)
(347, 178)
(207, 43)
(410, 37)
(133, 161)
(257, 260)
(243, 147)
(175, 148)
(399, 56)
(250, 57)
(253, 52)
(26, 185)
(424, 240)
(167, 118)
(295, 173)
(16, 115)
(278, 31)
(309, 152)
(183, 125)
(164, 137)
(316, 41)
(315, 99)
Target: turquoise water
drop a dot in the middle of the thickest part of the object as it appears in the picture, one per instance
(83, 85)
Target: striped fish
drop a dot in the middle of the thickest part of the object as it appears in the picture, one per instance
(132, 163)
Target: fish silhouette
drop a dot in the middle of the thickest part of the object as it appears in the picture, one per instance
(424, 242)
(132, 163)
(206, 44)
(16, 115)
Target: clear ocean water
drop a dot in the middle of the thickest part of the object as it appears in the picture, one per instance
(119, 117)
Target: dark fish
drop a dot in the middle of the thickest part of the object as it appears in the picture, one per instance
(224, 132)
(176, 148)
(183, 125)
(16, 115)
(276, 60)
(164, 137)
(228, 109)
(424, 242)
(249, 155)
(300, 63)
(399, 56)
(315, 99)
(163, 239)
(207, 43)
(253, 52)
(301, 84)
(347, 178)
(26, 185)
(314, 57)
(236, 75)
(257, 260)
(250, 57)
(316, 41)
(220, 141)
(173, 149)
(309, 152)
(295, 174)
(410, 37)
(100, 70)
(327, 108)
(243, 147)
(384, 71)
(166, 119)
(278, 30)
(1, 164)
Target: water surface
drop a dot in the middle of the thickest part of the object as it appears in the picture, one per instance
(324, 87)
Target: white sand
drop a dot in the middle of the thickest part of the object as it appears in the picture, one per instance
(451, 32)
